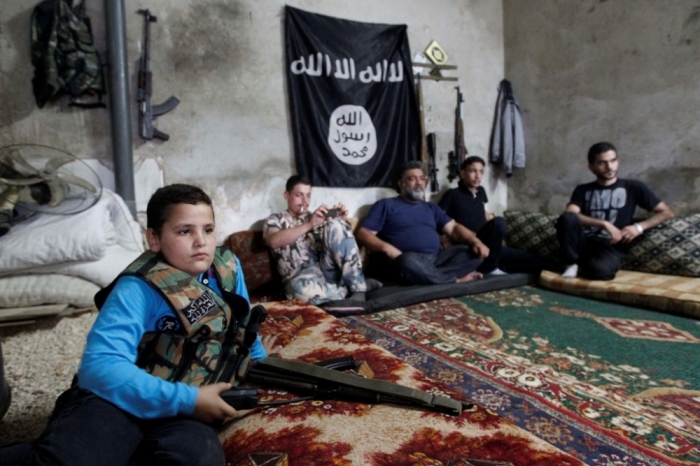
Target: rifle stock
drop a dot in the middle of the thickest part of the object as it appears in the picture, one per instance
(148, 111)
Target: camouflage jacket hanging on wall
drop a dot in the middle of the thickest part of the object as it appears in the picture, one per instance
(63, 54)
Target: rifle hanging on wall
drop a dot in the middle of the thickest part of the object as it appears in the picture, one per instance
(427, 154)
(148, 111)
(419, 97)
(432, 163)
(456, 157)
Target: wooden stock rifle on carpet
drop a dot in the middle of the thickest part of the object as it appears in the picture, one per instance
(326, 381)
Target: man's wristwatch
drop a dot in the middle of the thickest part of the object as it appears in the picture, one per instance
(639, 228)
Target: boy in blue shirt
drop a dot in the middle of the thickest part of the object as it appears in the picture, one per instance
(143, 394)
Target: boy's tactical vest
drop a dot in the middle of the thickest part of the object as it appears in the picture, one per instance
(210, 339)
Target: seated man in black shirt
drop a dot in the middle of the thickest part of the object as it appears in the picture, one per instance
(597, 228)
(467, 205)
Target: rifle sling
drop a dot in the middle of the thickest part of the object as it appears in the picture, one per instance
(382, 387)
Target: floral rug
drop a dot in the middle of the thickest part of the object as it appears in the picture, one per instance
(609, 384)
(342, 433)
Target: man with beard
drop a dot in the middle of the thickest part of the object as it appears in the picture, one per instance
(316, 252)
(406, 231)
(597, 228)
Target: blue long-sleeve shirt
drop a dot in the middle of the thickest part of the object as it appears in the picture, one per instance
(108, 367)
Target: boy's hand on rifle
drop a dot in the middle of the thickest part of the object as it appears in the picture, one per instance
(268, 342)
(210, 406)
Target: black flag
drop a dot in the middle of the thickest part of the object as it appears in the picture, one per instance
(352, 100)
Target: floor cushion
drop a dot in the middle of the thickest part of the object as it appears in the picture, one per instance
(670, 293)
(264, 284)
(393, 296)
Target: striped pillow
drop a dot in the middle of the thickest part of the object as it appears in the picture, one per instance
(533, 232)
(672, 248)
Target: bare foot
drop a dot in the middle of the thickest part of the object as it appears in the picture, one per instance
(470, 277)
(268, 342)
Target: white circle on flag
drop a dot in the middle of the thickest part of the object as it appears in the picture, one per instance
(351, 135)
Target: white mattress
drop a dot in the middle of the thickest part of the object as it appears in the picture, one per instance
(96, 244)
(35, 290)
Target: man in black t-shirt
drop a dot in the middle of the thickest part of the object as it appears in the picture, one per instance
(597, 228)
(467, 205)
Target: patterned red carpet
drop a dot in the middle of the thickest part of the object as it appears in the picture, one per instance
(609, 384)
(341, 433)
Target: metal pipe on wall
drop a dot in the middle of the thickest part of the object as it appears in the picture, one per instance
(119, 102)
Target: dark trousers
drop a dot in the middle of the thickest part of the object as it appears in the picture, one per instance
(509, 260)
(445, 266)
(597, 259)
(85, 430)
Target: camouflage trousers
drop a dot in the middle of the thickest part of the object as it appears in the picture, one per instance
(338, 271)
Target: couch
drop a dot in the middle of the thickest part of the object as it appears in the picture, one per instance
(661, 270)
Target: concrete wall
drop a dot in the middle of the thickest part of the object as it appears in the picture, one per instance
(224, 60)
(625, 71)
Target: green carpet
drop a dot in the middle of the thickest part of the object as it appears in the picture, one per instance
(574, 371)
(665, 346)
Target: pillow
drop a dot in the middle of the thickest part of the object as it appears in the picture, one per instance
(36, 290)
(672, 248)
(251, 250)
(533, 232)
(45, 239)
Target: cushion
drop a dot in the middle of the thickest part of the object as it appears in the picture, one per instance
(672, 248)
(669, 293)
(533, 232)
(393, 296)
(35, 290)
(255, 257)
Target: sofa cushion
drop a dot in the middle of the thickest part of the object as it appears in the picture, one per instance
(392, 296)
(672, 248)
(250, 248)
(533, 232)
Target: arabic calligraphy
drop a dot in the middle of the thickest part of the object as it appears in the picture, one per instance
(319, 64)
(351, 135)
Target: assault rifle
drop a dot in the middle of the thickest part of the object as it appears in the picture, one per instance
(325, 381)
(432, 164)
(147, 111)
(456, 157)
